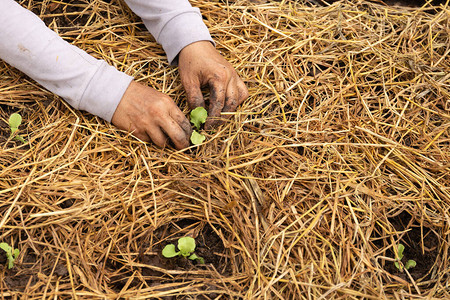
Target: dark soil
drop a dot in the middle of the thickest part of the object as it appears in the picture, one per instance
(66, 13)
(19, 276)
(425, 256)
(208, 246)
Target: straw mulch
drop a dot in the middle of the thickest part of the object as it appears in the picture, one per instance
(341, 153)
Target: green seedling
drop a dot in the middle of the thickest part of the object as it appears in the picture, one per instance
(11, 254)
(14, 122)
(186, 247)
(197, 138)
(198, 117)
(409, 264)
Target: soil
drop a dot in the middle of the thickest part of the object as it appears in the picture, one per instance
(209, 246)
(67, 14)
(425, 256)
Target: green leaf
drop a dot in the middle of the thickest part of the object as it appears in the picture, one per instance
(186, 245)
(195, 257)
(16, 253)
(198, 116)
(400, 250)
(15, 120)
(197, 138)
(10, 262)
(5, 247)
(397, 265)
(169, 251)
(410, 264)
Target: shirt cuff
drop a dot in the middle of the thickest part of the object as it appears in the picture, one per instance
(104, 91)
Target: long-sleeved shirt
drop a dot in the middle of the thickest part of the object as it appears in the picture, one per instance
(85, 82)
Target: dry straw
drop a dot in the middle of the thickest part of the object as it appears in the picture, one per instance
(341, 152)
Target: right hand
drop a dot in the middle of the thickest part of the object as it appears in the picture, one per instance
(152, 116)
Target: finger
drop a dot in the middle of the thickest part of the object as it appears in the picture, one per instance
(243, 91)
(236, 94)
(143, 136)
(158, 137)
(176, 134)
(216, 103)
(194, 93)
(182, 121)
(232, 97)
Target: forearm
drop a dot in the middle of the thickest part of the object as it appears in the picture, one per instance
(84, 82)
(173, 23)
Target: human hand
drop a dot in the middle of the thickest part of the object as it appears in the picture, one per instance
(201, 65)
(152, 116)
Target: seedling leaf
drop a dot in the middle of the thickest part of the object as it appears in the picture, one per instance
(198, 116)
(14, 121)
(10, 254)
(400, 250)
(197, 138)
(16, 253)
(410, 264)
(195, 257)
(186, 245)
(169, 251)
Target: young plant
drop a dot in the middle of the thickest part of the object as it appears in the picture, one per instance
(186, 247)
(198, 117)
(11, 254)
(409, 264)
(14, 122)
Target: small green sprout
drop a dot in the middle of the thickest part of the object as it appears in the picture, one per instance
(186, 245)
(197, 138)
(198, 117)
(14, 122)
(11, 254)
(409, 264)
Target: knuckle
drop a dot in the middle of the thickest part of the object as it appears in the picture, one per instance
(221, 74)
(243, 93)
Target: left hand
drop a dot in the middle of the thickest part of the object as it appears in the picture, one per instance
(200, 65)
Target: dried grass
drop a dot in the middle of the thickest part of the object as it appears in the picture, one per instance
(345, 136)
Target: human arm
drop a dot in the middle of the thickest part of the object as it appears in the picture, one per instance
(84, 82)
(179, 28)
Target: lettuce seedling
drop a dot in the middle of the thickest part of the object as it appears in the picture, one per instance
(197, 138)
(409, 264)
(186, 247)
(198, 117)
(11, 254)
(14, 122)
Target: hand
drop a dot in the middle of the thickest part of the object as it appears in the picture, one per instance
(201, 65)
(152, 116)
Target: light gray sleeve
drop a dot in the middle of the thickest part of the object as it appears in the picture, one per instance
(84, 82)
(173, 23)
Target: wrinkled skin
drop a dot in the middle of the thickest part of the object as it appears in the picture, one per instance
(153, 116)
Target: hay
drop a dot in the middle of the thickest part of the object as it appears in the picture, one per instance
(341, 152)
